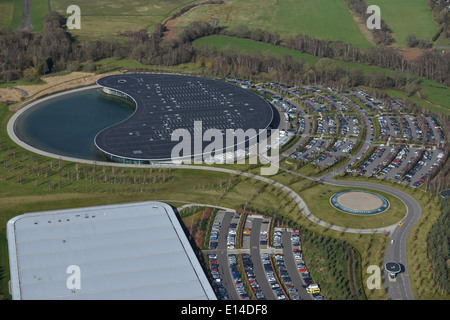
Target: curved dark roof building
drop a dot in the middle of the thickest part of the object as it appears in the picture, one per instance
(167, 102)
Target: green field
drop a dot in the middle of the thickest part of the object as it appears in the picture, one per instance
(39, 8)
(318, 201)
(436, 93)
(106, 19)
(323, 19)
(432, 91)
(250, 47)
(10, 13)
(407, 16)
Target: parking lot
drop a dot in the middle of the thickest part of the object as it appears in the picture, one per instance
(401, 135)
(251, 261)
(260, 269)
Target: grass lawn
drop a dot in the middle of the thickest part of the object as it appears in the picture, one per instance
(398, 94)
(246, 45)
(407, 16)
(105, 19)
(39, 9)
(323, 19)
(318, 201)
(436, 93)
(11, 13)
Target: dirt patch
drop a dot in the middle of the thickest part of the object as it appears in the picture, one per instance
(189, 7)
(363, 28)
(169, 23)
(198, 238)
(411, 53)
(359, 201)
(52, 85)
(171, 31)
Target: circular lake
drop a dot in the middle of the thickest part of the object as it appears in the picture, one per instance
(67, 125)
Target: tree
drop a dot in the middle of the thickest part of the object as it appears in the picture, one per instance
(73, 66)
(411, 40)
(30, 74)
(45, 66)
(89, 66)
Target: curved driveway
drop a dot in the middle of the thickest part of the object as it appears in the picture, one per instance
(396, 249)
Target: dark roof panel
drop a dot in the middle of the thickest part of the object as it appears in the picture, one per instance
(166, 102)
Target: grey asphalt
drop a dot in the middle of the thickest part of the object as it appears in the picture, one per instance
(26, 17)
(291, 266)
(396, 251)
(222, 257)
(255, 255)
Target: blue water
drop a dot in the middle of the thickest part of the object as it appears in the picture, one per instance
(68, 125)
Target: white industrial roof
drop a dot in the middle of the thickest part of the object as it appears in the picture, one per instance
(128, 251)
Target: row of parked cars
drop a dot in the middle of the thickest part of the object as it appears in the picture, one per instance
(368, 101)
(438, 130)
(326, 122)
(277, 239)
(286, 278)
(217, 279)
(301, 125)
(237, 278)
(231, 237)
(271, 277)
(397, 161)
(423, 160)
(384, 127)
(376, 154)
(297, 252)
(313, 104)
(253, 283)
(309, 146)
(213, 239)
(407, 131)
(427, 157)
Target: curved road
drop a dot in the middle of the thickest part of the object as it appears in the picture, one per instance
(396, 251)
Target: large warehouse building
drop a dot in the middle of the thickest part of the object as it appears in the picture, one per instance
(167, 102)
(120, 252)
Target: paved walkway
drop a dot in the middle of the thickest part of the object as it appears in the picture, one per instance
(26, 17)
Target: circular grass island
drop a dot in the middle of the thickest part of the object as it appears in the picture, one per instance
(318, 200)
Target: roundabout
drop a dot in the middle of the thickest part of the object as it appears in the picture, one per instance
(359, 202)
